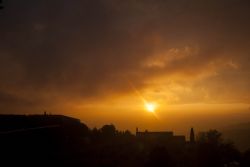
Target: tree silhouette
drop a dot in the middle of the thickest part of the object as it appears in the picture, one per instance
(212, 137)
(108, 130)
(213, 151)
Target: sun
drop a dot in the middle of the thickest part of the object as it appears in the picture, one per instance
(150, 107)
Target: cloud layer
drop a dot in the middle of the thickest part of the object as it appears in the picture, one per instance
(186, 51)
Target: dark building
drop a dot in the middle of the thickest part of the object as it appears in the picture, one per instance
(148, 134)
(163, 137)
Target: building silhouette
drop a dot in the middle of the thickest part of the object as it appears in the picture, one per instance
(161, 137)
(192, 136)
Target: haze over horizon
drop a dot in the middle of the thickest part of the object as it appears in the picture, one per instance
(152, 64)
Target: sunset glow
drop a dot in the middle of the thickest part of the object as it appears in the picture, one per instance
(150, 107)
(125, 83)
(186, 63)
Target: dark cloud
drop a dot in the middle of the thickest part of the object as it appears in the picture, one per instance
(53, 50)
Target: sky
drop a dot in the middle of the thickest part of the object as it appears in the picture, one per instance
(102, 60)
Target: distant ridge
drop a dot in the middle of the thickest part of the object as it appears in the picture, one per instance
(239, 134)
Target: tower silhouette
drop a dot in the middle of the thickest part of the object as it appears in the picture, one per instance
(192, 138)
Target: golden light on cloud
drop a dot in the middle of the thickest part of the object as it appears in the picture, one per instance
(149, 106)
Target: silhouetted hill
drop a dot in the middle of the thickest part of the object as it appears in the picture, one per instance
(57, 140)
(239, 134)
(12, 123)
(39, 140)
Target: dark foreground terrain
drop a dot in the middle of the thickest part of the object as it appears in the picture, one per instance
(55, 140)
